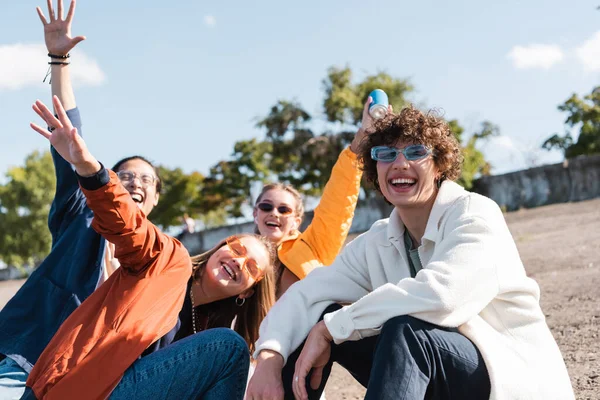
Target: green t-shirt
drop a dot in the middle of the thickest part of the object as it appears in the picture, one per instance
(413, 255)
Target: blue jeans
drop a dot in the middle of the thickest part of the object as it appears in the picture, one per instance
(211, 365)
(409, 359)
(12, 379)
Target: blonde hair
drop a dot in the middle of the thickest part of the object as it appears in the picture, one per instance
(249, 316)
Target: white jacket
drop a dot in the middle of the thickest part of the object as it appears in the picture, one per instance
(472, 278)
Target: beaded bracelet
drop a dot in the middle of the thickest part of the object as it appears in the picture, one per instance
(59, 56)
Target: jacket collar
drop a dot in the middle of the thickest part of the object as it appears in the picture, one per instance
(449, 192)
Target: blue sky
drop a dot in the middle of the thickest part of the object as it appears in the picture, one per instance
(180, 82)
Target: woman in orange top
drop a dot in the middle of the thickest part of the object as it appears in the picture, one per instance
(153, 305)
(279, 211)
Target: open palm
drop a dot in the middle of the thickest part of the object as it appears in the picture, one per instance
(57, 32)
(64, 138)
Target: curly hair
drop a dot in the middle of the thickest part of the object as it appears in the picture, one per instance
(413, 126)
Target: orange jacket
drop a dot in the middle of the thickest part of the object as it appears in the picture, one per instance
(321, 242)
(136, 306)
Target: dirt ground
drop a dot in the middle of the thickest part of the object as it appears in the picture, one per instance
(560, 248)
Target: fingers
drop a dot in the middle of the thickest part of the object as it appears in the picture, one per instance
(77, 39)
(40, 130)
(41, 15)
(390, 109)
(60, 111)
(39, 112)
(367, 104)
(299, 384)
(50, 10)
(71, 11)
(76, 138)
(316, 377)
(59, 14)
(48, 116)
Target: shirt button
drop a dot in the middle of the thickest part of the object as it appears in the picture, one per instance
(343, 330)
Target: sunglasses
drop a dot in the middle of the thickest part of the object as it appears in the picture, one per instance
(267, 207)
(390, 154)
(238, 250)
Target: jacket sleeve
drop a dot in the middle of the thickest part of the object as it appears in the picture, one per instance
(332, 219)
(289, 321)
(459, 281)
(68, 199)
(116, 217)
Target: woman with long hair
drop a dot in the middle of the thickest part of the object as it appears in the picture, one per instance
(145, 332)
(279, 212)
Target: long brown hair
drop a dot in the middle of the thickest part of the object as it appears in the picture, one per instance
(248, 317)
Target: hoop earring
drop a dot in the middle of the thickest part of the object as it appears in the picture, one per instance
(239, 301)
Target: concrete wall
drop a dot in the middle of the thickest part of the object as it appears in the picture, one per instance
(577, 180)
(574, 180)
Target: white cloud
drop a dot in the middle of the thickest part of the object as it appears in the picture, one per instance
(27, 65)
(589, 53)
(534, 56)
(210, 20)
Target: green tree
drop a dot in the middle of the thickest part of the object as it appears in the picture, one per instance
(474, 164)
(180, 194)
(304, 158)
(25, 201)
(582, 114)
(228, 186)
(292, 151)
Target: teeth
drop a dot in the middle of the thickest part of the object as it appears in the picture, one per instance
(229, 270)
(136, 197)
(272, 224)
(402, 180)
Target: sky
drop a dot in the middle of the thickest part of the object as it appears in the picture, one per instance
(180, 82)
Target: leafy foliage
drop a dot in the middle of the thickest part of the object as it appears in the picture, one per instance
(585, 115)
(25, 201)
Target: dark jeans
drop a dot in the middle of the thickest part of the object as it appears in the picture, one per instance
(409, 359)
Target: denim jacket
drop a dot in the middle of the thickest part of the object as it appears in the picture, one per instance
(66, 277)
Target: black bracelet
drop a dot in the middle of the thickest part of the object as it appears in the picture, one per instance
(59, 56)
(59, 63)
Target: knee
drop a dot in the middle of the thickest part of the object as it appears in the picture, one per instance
(225, 340)
(403, 326)
(400, 322)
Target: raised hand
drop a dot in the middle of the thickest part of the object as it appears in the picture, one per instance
(64, 138)
(57, 32)
(366, 126)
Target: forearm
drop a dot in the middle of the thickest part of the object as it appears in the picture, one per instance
(62, 86)
(289, 321)
(333, 216)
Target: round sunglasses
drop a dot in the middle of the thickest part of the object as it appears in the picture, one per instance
(268, 207)
(238, 250)
(390, 154)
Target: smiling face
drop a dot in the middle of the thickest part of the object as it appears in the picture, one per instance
(144, 194)
(408, 184)
(225, 275)
(278, 223)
